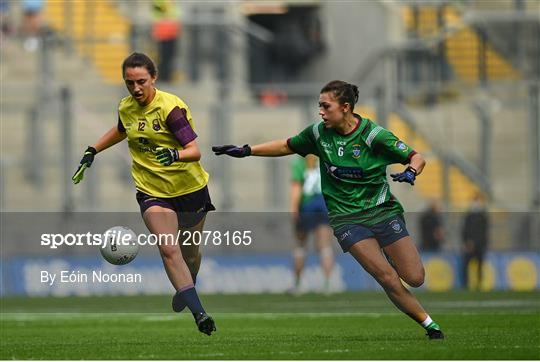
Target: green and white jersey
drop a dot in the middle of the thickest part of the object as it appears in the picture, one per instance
(309, 178)
(353, 170)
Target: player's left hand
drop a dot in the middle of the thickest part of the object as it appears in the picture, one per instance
(166, 156)
(232, 150)
(409, 175)
(86, 162)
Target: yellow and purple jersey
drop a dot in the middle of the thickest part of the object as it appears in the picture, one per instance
(165, 122)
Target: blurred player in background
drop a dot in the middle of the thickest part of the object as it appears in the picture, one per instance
(171, 184)
(310, 215)
(365, 216)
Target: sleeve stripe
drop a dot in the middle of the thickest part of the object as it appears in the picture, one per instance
(315, 130)
(374, 132)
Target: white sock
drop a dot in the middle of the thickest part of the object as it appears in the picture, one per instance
(427, 322)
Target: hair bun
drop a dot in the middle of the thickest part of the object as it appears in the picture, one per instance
(355, 92)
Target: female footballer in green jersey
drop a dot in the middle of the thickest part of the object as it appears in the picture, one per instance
(171, 184)
(365, 216)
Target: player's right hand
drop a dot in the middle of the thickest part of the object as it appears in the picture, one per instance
(232, 150)
(86, 161)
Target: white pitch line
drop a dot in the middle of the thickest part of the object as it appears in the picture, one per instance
(488, 303)
(510, 303)
(21, 317)
(33, 317)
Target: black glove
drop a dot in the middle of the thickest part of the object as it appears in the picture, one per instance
(166, 156)
(232, 150)
(409, 175)
(86, 161)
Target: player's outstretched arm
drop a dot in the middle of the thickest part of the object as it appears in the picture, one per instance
(414, 169)
(275, 148)
(112, 137)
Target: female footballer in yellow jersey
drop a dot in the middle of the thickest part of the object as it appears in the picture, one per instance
(171, 183)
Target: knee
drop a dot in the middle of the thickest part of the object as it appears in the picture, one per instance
(389, 280)
(168, 251)
(416, 279)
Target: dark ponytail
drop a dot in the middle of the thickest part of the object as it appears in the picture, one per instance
(344, 92)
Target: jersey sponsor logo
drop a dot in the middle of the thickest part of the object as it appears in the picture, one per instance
(344, 173)
(396, 226)
(356, 151)
(144, 141)
(326, 144)
(401, 146)
(147, 149)
(145, 146)
(341, 143)
(155, 125)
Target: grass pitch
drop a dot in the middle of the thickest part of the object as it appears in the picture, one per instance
(497, 325)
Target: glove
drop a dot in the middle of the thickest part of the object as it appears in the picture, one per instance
(86, 161)
(232, 150)
(409, 175)
(166, 156)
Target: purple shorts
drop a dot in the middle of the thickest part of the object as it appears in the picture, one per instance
(190, 208)
(386, 232)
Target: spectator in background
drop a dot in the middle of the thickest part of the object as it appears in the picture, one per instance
(31, 23)
(310, 215)
(4, 17)
(475, 236)
(431, 228)
(166, 31)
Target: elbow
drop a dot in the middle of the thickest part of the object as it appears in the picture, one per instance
(418, 159)
(191, 156)
(196, 156)
(191, 153)
(422, 160)
(418, 162)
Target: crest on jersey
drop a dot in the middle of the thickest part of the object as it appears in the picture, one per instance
(155, 125)
(401, 146)
(396, 226)
(356, 151)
